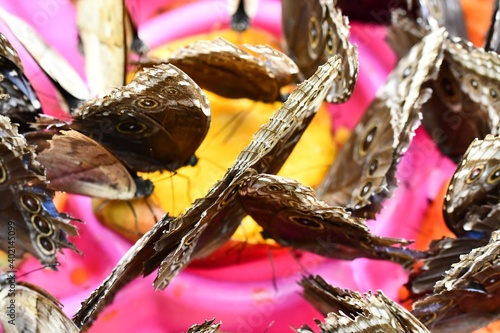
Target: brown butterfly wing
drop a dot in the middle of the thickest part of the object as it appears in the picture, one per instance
(472, 203)
(35, 309)
(207, 327)
(349, 312)
(92, 170)
(172, 243)
(314, 31)
(363, 175)
(255, 72)
(468, 297)
(154, 123)
(18, 99)
(290, 214)
(27, 207)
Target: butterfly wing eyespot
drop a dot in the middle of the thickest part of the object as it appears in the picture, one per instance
(3, 173)
(30, 203)
(46, 245)
(130, 127)
(372, 168)
(367, 139)
(330, 42)
(365, 189)
(147, 103)
(274, 188)
(475, 174)
(314, 32)
(306, 222)
(170, 91)
(493, 94)
(42, 225)
(494, 176)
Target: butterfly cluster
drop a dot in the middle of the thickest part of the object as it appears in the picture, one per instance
(157, 121)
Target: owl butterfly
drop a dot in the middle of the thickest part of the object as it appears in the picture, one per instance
(207, 327)
(72, 88)
(172, 243)
(348, 312)
(471, 210)
(241, 12)
(314, 31)
(363, 175)
(468, 297)
(465, 103)
(21, 104)
(246, 71)
(27, 210)
(34, 310)
(154, 123)
(107, 34)
(290, 214)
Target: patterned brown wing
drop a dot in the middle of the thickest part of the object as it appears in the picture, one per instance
(290, 213)
(349, 312)
(465, 103)
(172, 243)
(442, 13)
(27, 208)
(471, 210)
(314, 31)
(154, 123)
(21, 104)
(246, 71)
(363, 175)
(50, 61)
(472, 203)
(35, 310)
(92, 170)
(468, 297)
(207, 327)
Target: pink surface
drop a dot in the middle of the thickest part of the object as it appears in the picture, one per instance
(242, 296)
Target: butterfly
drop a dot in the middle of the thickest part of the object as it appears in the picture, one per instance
(21, 103)
(467, 298)
(71, 86)
(28, 308)
(290, 214)
(465, 103)
(173, 242)
(363, 175)
(434, 14)
(31, 221)
(241, 12)
(257, 72)
(314, 31)
(107, 34)
(471, 211)
(156, 122)
(347, 311)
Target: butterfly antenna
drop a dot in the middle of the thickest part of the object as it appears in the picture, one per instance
(269, 327)
(273, 269)
(136, 218)
(44, 266)
(296, 257)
